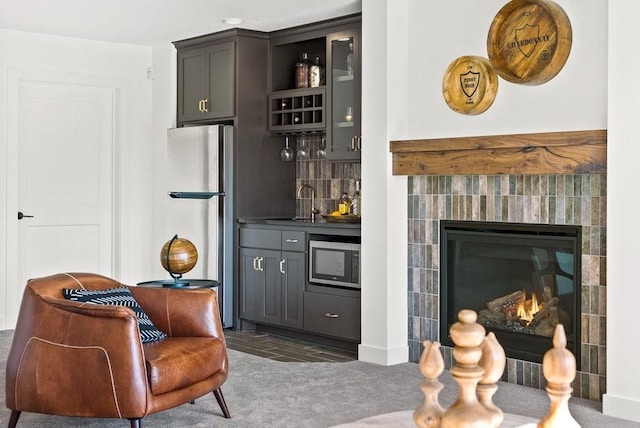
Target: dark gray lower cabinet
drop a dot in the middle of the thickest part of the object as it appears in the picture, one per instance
(332, 315)
(274, 289)
(250, 279)
(293, 277)
(272, 280)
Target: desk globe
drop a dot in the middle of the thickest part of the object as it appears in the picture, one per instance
(178, 256)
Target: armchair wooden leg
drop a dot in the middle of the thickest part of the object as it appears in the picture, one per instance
(221, 402)
(136, 423)
(13, 420)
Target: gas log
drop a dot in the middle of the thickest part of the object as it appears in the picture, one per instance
(543, 312)
(502, 304)
(502, 314)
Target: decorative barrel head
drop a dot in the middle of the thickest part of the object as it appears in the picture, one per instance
(178, 256)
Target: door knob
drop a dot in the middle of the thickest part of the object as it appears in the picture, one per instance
(21, 216)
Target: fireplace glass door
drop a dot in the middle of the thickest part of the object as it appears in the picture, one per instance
(521, 279)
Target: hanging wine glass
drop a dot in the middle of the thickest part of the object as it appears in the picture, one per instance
(303, 151)
(287, 152)
(321, 153)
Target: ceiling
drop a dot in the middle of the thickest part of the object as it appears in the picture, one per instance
(147, 22)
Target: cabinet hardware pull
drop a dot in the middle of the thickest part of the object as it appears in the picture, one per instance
(260, 264)
(292, 241)
(200, 106)
(205, 109)
(330, 315)
(255, 263)
(353, 143)
(359, 142)
(282, 267)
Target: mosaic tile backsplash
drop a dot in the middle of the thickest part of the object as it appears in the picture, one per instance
(544, 199)
(329, 179)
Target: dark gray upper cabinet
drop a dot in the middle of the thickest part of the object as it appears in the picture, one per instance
(206, 82)
(344, 141)
(334, 107)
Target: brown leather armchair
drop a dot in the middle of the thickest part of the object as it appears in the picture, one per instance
(82, 359)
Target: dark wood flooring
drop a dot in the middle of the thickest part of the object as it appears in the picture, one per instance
(284, 349)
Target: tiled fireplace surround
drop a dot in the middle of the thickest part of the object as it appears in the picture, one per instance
(545, 199)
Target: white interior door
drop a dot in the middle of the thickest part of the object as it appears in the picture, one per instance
(65, 142)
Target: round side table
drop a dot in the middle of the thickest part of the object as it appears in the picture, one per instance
(189, 284)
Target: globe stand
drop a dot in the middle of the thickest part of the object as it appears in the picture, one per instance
(176, 276)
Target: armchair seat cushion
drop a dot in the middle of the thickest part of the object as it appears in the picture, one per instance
(178, 362)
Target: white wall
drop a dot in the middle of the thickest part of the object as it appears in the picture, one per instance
(124, 66)
(384, 229)
(164, 117)
(442, 31)
(576, 99)
(623, 252)
(591, 87)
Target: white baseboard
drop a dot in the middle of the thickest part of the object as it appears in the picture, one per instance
(383, 356)
(620, 407)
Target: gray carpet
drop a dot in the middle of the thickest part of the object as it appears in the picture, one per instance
(266, 393)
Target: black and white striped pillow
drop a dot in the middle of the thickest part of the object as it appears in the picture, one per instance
(122, 297)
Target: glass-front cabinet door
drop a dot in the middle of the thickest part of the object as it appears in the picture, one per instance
(344, 141)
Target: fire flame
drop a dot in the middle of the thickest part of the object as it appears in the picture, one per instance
(524, 313)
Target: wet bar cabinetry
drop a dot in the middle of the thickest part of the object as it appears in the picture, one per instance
(272, 275)
(297, 110)
(333, 108)
(275, 294)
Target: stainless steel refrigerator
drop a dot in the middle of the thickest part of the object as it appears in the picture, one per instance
(200, 206)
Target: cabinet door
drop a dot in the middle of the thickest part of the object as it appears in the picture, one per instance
(191, 90)
(250, 283)
(293, 280)
(270, 287)
(206, 82)
(219, 87)
(343, 74)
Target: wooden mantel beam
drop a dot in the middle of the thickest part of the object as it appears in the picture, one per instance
(571, 152)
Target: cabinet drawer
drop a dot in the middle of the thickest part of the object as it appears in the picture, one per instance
(337, 316)
(293, 241)
(260, 238)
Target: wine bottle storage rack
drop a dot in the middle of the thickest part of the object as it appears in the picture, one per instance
(297, 110)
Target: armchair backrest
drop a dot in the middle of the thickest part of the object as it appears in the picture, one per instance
(55, 343)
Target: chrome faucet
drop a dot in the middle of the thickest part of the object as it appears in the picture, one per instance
(314, 211)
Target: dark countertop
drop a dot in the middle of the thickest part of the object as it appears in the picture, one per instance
(320, 225)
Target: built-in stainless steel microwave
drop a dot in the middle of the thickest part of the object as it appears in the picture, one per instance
(334, 263)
